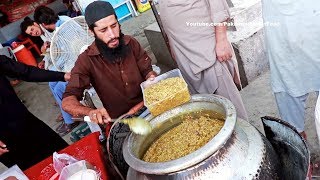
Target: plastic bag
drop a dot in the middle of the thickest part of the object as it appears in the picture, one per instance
(156, 69)
(14, 171)
(80, 170)
(317, 117)
(62, 160)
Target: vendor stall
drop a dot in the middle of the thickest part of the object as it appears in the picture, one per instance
(88, 148)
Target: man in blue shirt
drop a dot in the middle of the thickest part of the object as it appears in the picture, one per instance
(49, 20)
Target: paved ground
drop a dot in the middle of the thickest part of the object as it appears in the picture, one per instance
(257, 96)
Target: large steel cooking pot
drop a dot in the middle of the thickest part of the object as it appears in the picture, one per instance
(238, 151)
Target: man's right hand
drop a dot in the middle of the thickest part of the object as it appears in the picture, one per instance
(99, 115)
(3, 148)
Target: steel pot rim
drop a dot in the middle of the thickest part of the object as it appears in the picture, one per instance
(193, 158)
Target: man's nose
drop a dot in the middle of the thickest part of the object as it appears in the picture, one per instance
(111, 33)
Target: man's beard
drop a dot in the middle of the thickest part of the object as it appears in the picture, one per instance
(113, 55)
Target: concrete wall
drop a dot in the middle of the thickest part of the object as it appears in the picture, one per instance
(252, 56)
(248, 38)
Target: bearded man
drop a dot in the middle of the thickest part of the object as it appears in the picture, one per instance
(114, 64)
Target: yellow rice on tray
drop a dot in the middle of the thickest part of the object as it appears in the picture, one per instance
(166, 94)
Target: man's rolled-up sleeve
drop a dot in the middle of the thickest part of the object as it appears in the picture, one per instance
(80, 79)
(219, 10)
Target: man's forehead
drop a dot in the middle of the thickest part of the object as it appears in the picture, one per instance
(107, 21)
(29, 28)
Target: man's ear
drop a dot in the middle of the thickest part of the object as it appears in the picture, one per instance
(91, 32)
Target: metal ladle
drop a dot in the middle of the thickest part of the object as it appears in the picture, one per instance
(136, 124)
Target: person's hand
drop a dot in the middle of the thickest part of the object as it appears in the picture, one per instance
(151, 77)
(3, 148)
(67, 76)
(223, 50)
(149, 81)
(41, 64)
(99, 115)
(45, 46)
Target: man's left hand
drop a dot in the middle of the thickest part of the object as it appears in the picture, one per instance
(223, 50)
(149, 81)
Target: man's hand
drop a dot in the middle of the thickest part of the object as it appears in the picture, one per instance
(99, 115)
(67, 76)
(223, 50)
(41, 64)
(3, 148)
(149, 80)
(223, 47)
(151, 77)
(45, 46)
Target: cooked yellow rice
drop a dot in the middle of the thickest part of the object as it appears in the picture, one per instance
(183, 139)
(166, 94)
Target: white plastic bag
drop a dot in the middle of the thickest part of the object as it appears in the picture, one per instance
(14, 171)
(156, 68)
(80, 170)
(62, 160)
(317, 117)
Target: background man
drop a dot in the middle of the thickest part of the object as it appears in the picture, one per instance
(203, 53)
(49, 21)
(294, 55)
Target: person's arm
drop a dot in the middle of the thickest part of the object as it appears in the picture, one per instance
(223, 46)
(11, 68)
(72, 105)
(219, 13)
(80, 80)
(219, 10)
(143, 60)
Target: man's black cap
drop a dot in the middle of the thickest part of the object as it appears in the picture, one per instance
(98, 10)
